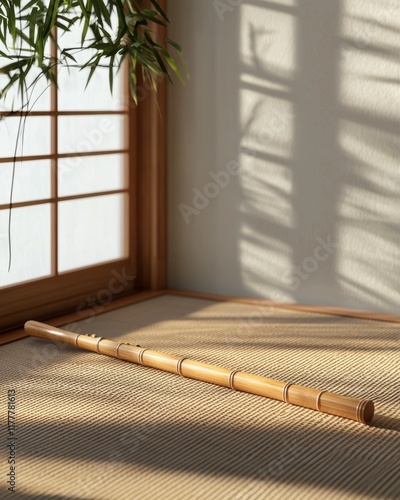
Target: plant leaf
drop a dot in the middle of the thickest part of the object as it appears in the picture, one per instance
(159, 10)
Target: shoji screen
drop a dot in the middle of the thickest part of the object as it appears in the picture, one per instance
(70, 230)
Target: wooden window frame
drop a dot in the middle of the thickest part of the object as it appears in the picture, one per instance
(147, 213)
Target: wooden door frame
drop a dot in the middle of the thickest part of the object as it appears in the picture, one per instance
(152, 189)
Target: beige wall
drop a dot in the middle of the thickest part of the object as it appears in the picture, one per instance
(294, 107)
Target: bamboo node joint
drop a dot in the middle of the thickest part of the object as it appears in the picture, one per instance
(98, 344)
(179, 366)
(285, 392)
(118, 346)
(140, 356)
(318, 401)
(231, 378)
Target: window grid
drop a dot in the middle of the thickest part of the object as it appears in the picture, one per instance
(55, 157)
(145, 265)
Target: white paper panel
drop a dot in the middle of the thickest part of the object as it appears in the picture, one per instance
(34, 137)
(72, 81)
(91, 174)
(86, 134)
(31, 244)
(91, 231)
(72, 95)
(32, 181)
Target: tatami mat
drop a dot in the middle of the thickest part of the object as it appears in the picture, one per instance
(93, 427)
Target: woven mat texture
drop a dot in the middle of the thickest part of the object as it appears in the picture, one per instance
(94, 427)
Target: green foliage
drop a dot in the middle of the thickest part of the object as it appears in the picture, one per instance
(114, 30)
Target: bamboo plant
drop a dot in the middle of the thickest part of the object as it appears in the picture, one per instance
(114, 30)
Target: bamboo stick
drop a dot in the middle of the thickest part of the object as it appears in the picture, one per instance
(360, 410)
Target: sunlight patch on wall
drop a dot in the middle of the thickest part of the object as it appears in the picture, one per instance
(268, 188)
(367, 273)
(264, 261)
(369, 235)
(266, 116)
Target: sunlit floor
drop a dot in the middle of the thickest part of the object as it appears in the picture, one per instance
(93, 427)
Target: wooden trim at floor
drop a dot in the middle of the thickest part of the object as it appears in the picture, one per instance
(335, 311)
(71, 317)
(135, 298)
(52, 296)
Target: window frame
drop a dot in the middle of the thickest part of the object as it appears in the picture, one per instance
(147, 212)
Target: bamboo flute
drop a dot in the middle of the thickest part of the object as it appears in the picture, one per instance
(361, 410)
